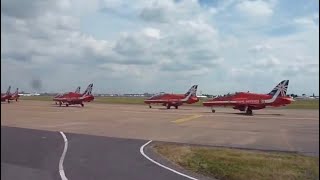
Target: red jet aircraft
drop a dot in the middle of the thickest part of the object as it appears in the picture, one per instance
(245, 101)
(15, 95)
(77, 91)
(6, 96)
(75, 98)
(175, 100)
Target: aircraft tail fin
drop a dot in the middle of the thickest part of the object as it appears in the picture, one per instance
(8, 91)
(192, 90)
(77, 90)
(88, 91)
(16, 92)
(282, 87)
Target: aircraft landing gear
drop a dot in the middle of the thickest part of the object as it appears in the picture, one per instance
(176, 107)
(249, 111)
(150, 106)
(16, 100)
(82, 104)
(213, 110)
(8, 101)
(168, 106)
(67, 105)
(60, 103)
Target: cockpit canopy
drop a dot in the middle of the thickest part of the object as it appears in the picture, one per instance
(158, 94)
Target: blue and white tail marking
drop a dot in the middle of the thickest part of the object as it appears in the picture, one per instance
(282, 86)
(88, 91)
(77, 90)
(192, 90)
(17, 91)
(8, 91)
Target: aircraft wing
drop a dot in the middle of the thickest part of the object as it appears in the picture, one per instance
(68, 99)
(235, 103)
(162, 101)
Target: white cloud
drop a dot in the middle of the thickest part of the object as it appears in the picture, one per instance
(304, 21)
(260, 48)
(177, 40)
(152, 32)
(307, 22)
(255, 8)
(169, 11)
(52, 40)
(270, 62)
(199, 26)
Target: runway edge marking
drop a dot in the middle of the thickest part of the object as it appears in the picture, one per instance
(161, 165)
(61, 170)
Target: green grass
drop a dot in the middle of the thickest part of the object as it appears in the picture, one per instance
(233, 164)
(304, 104)
(298, 104)
(120, 100)
(36, 98)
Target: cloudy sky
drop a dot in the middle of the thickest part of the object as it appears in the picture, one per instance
(160, 45)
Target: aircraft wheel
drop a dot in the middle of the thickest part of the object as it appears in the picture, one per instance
(168, 106)
(249, 112)
(16, 100)
(150, 106)
(82, 104)
(60, 103)
(67, 105)
(213, 111)
(8, 101)
(176, 107)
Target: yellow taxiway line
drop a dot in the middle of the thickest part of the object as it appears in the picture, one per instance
(181, 120)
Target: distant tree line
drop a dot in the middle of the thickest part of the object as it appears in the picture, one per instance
(294, 95)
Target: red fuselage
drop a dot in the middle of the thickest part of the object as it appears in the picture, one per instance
(15, 97)
(254, 101)
(5, 97)
(73, 98)
(172, 99)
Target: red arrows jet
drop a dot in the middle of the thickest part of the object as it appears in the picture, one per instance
(175, 100)
(251, 101)
(75, 98)
(77, 91)
(15, 95)
(6, 96)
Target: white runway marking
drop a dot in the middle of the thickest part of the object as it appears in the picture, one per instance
(61, 170)
(155, 162)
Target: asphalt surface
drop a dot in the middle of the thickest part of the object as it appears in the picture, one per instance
(268, 129)
(35, 154)
(28, 154)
